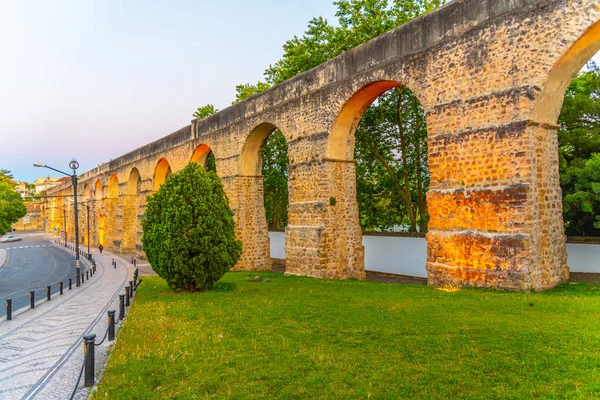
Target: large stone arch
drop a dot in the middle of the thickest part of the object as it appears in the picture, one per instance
(131, 203)
(251, 226)
(161, 172)
(201, 154)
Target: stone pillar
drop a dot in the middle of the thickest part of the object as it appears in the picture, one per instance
(112, 232)
(494, 200)
(323, 237)
(130, 223)
(251, 225)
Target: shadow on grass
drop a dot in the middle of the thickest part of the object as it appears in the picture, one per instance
(224, 287)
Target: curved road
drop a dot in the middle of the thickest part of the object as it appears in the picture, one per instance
(33, 263)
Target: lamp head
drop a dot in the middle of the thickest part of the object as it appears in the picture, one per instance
(39, 165)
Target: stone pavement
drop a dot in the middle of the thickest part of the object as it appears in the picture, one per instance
(41, 350)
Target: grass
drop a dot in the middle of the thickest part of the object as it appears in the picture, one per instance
(297, 337)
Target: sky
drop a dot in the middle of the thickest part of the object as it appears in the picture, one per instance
(95, 79)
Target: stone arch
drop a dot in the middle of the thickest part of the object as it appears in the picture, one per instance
(340, 237)
(161, 172)
(255, 231)
(250, 160)
(201, 155)
(340, 144)
(98, 190)
(131, 202)
(548, 106)
(113, 187)
(549, 238)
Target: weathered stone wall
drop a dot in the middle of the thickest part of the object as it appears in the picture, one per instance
(490, 75)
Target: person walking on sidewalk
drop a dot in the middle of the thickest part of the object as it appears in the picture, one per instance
(100, 248)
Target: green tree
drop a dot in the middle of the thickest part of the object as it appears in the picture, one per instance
(11, 203)
(205, 111)
(579, 146)
(189, 232)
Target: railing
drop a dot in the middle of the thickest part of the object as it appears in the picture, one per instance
(88, 366)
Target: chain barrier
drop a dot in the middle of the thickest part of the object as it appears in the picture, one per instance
(104, 338)
(78, 379)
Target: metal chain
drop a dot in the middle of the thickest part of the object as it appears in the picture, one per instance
(78, 379)
(104, 338)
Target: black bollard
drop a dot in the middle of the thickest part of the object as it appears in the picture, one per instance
(127, 296)
(32, 299)
(8, 309)
(90, 361)
(114, 263)
(70, 283)
(135, 262)
(131, 289)
(121, 307)
(82, 278)
(111, 325)
(60, 288)
(48, 292)
(131, 260)
(87, 275)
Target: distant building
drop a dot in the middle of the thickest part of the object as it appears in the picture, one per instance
(23, 190)
(45, 183)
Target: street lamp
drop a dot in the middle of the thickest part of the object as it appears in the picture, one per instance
(73, 165)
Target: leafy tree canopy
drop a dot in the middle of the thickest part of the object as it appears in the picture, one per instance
(579, 152)
(188, 230)
(205, 111)
(11, 203)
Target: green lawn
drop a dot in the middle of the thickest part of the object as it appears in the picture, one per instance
(299, 337)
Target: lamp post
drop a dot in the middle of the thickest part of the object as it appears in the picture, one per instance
(73, 165)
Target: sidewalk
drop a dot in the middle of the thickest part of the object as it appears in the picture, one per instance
(41, 350)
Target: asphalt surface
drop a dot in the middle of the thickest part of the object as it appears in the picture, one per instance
(33, 263)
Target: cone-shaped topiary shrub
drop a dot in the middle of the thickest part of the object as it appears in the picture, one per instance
(189, 235)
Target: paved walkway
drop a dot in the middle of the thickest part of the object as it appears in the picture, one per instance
(41, 350)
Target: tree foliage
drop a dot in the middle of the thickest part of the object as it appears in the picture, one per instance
(189, 234)
(11, 203)
(579, 154)
(205, 111)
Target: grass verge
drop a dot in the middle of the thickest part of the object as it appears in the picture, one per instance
(297, 337)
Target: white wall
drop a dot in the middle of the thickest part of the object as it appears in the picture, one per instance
(277, 244)
(583, 257)
(407, 256)
(396, 255)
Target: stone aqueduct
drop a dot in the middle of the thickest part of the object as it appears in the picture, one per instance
(490, 74)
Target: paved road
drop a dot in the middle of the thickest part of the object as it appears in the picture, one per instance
(41, 350)
(33, 263)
